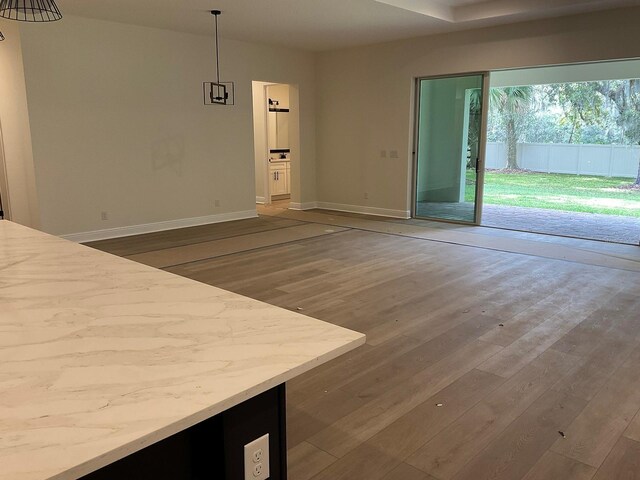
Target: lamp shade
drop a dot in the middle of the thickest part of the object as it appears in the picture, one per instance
(1, 36)
(30, 10)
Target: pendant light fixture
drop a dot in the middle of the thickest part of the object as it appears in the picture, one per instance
(30, 10)
(1, 37)
(218, 93)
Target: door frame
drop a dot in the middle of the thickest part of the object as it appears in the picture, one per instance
(296, 158)
(482, 147)
(266, 178)
(4, 181)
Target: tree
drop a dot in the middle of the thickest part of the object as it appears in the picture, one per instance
(475, 122)
(543, 120)
(603, 104)
(581, 106)
(625, 94)
(511, 103)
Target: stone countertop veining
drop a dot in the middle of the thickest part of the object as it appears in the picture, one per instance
(101, 356)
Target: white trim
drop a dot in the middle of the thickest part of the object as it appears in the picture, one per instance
(266, 183)
(4, 181)
(380, 212)
(303, 206)
(157, 227)
(260, 200)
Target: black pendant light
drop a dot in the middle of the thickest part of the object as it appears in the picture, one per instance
(30, 10)
(218, 92)
(1, 37)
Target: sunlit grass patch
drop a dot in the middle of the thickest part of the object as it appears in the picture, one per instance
(555, 191)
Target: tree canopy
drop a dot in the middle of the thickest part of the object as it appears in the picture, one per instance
(602, 112)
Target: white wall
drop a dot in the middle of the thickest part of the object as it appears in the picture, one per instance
(365, 95)
(278, 123)
(260, 138)
(21, 197)
(279, 93)
(118, 123)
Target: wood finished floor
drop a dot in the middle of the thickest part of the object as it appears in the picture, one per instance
(476, 358)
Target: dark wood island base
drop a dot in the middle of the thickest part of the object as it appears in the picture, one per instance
(213, 449)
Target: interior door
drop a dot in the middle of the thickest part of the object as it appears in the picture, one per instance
(450, 144)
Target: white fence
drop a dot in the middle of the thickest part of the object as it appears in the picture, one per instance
(599, 160)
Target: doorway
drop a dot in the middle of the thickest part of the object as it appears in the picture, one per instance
(275, 141)
(562, 152)
(450, 133)
(551, 150)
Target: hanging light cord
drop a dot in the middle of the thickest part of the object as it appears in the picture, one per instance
(215, 14)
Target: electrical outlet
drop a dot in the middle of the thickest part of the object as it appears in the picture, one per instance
(257, 456)
(256, 459)
(383, 154)
(366, 195)
(104, 216)
(393, 153)
(216, 203)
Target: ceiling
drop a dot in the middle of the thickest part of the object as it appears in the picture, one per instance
(328, 24)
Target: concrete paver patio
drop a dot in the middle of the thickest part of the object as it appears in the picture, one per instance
(608, 228)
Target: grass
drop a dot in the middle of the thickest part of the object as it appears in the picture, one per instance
(573, 193)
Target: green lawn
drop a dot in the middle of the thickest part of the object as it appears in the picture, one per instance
(575, 193)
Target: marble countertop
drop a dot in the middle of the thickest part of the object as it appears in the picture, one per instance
(101, 356)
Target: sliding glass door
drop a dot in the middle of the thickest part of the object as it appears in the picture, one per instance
(450, 142)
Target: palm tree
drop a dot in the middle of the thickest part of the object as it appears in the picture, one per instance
(511, 102)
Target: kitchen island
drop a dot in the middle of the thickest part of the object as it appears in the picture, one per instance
(112, 369)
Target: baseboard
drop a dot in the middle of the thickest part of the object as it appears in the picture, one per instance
(380, 212)
(260, 200)
(303, 206)
(157, 227)
(277, 198)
